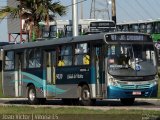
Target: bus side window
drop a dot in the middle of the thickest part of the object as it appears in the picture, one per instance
(9, 60)
(60, 61)
(82, 54)
(65, 56)
(34, 58)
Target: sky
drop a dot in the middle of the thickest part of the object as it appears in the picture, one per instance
(127, 10)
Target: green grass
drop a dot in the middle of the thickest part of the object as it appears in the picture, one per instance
(80, 113)
(69, 110)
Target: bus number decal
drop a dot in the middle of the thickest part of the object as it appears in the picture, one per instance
(59, 76)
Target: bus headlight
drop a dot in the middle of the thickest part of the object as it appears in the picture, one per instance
(156, 78)
(154, 82)
(112, 82)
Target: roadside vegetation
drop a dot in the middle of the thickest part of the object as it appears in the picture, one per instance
(33, 12)
(67, 110)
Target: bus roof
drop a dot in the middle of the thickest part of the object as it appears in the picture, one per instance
(53, 41)
(3, 44)
(138, 22)
(58, 41)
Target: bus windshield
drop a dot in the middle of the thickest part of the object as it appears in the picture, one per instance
(131, 60)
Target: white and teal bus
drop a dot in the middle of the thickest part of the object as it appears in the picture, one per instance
(84, 68)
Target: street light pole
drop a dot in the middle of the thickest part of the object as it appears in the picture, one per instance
(114, 11)
(75, 17)
(81, 10)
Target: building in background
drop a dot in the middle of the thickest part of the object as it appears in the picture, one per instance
(16, 30)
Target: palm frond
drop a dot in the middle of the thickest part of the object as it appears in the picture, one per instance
(56, 7)
(11, 11)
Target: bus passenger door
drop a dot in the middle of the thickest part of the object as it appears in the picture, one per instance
(98, 69)
(18, 75)
(50, 57)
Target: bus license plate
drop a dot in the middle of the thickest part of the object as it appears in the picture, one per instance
(136, 93)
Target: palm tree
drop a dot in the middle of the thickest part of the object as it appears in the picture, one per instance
(34, 11)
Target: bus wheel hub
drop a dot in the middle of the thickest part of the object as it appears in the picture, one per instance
(86, 95)
(31, 95)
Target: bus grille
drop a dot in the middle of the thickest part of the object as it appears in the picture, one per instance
(144, 86)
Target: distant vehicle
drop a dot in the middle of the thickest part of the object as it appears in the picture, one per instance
(82, 69)
(151, 27)
(63, 28)
(59, 29)
(102, 26)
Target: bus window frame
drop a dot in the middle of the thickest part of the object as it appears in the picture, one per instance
(87, 53)
(132, 29)
(45, 30)
(52, 31)
(35, 58)
(4, 58)
(156, 31)
(151, 29)
(125, 28)
(141, 29)
(58, 55)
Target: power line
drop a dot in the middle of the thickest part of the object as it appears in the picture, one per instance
(137, 12)
(125, 11)
(76, 3)
(157, 2)
(143, 8)
(153, 8)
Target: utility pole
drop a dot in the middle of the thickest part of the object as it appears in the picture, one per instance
(75, 17)
(81, 10)
(114, 11)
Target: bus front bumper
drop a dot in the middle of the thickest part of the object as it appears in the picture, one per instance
(117, 93)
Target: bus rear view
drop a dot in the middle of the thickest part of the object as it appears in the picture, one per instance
(131, 67)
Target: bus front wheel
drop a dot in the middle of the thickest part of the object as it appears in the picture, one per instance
(32, 99)
(85, 98)
(127, 101)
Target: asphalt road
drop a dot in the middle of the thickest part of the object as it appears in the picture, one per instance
(140, 104)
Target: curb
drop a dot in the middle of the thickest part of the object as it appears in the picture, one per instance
(5, 99)
(145, 99)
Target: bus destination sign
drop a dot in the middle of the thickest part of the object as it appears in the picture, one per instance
(129, 37)
(102, 24)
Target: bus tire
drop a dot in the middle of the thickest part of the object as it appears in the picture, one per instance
(70, 101)
(66, 101)
(127, 101)
(32, 99)
(41, 101)
(85, 98)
